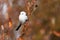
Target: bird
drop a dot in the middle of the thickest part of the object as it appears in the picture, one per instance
(22, 19)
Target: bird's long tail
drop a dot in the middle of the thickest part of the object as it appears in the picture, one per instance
(18, 27)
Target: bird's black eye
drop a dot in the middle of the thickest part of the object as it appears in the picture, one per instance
(22, 13)
(36, 5)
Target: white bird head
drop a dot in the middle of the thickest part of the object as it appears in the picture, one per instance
(22, 13)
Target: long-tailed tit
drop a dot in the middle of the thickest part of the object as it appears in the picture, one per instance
(22, 18)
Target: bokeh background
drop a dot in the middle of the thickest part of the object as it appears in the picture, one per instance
(43, 23)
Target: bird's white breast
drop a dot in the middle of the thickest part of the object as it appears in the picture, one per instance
(22, 18)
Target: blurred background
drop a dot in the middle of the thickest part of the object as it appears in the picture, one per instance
(43, 23)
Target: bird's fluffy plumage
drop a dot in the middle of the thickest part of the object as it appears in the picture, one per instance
(22, 17)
